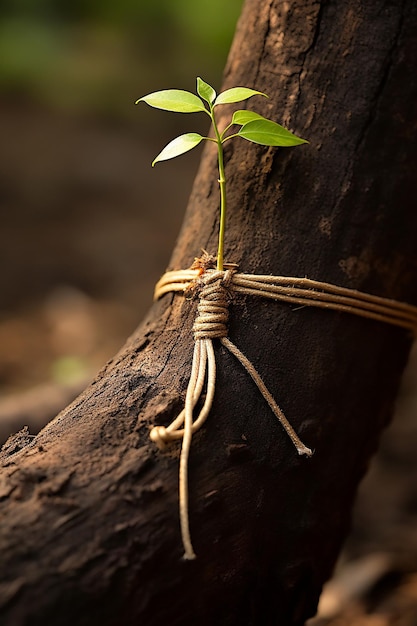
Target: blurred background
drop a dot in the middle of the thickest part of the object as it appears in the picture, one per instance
(87, 227)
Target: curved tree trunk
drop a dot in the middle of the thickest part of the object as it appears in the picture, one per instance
(89, 508)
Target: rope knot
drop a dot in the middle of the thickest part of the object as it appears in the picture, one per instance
(213, 306)
(160, 436)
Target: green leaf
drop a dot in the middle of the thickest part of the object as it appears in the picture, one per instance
(237, 94)
(205, 91)
(243, 117)
(175, 100)
(268, 133)
(178, 146)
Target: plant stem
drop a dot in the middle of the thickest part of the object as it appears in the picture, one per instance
(223, 203)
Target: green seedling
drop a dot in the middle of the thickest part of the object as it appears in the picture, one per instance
(253, 127)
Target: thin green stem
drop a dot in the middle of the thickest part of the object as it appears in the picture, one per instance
(223, 203)
(230, 137)
(225, 130)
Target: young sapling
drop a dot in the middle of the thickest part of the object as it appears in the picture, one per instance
(253, 127)
(212, 311)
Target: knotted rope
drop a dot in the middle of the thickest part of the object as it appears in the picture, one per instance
(210, 323)
(214, 289)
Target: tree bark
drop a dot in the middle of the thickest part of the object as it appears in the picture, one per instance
(89, 508)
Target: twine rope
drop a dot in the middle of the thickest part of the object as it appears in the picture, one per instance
(214, 289)
(305, 292)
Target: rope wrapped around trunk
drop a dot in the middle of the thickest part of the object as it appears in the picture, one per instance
(214, 289)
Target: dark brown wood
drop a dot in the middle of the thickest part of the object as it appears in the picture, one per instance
(89, 519)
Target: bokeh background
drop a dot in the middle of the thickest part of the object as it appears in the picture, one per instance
(87, 227)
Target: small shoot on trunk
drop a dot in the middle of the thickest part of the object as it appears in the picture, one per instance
(253, 127)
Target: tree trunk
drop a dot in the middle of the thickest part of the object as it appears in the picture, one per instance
(89, 508)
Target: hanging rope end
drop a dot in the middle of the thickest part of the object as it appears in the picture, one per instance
(303, 450)
(189, 555)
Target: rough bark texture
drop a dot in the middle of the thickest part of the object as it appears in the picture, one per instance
(89, 519)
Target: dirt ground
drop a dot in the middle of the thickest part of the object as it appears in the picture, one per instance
(86, 229)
